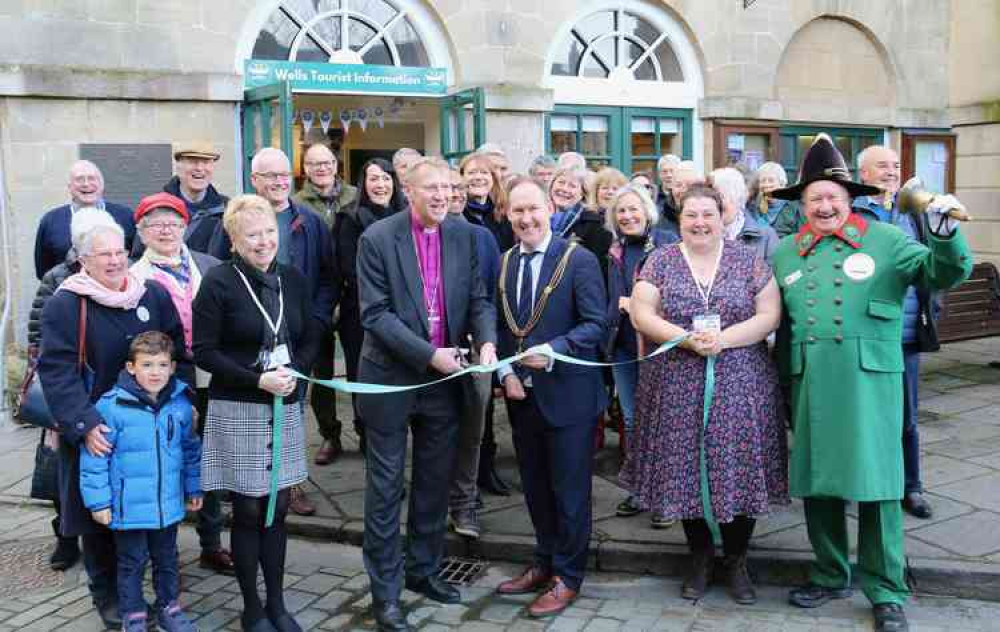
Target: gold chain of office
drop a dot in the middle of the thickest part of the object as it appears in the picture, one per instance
(522, 332)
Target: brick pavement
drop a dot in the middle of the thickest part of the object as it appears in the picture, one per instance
(326, 588)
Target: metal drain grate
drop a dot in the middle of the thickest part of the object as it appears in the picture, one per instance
(461, 571)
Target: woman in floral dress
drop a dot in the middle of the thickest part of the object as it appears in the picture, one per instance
(727, 298)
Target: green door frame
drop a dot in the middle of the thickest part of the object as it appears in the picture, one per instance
(258, 109)
(453, 109)
(620, 130)
(791, 162)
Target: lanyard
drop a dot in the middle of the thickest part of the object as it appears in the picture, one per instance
(705, 292)
(263, 312)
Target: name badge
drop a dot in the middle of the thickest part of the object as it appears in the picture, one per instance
(859, 266)
(279, 357)
(707, 322)
(793, 277)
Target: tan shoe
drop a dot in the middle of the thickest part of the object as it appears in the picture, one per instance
(553, 601)
(531, 580)
(300, 504)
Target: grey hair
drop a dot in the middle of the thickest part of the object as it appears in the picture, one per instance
(648, 206)
(731, 186)
(541, 162)
(404, 152)
(491, 149)
(666, 159)
(579, 161)
(265, 152)
(88, 222)
(775, 170)
(867, 151)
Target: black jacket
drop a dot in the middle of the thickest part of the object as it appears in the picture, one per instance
(204, 232)
(229, 328)
(50, 283)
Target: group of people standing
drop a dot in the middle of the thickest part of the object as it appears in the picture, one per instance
(424, 269)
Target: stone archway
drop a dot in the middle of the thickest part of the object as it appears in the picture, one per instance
(832, 70)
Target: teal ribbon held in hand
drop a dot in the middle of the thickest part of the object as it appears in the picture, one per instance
(381, 389)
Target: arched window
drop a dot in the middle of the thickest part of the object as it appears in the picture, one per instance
(377, 32)
(617, 44)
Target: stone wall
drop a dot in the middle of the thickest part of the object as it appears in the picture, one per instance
(41, 139)
(154, 71)
(975, 114)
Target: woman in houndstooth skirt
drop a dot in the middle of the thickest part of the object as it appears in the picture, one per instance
(252, 319)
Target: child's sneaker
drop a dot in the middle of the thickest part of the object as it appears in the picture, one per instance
(173, 619)
(135, 622)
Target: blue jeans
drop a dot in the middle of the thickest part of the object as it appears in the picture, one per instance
(135, 548)
(911, 436)
(626, 380)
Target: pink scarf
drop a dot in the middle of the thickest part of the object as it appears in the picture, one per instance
(83, 284)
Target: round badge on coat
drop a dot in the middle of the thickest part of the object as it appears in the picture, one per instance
(859, 266)
(142, 313)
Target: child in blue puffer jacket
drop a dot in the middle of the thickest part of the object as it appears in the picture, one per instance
(142, 487)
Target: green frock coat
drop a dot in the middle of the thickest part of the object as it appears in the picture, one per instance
(839, 350)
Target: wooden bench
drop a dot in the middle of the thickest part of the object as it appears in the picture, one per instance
(972, 310)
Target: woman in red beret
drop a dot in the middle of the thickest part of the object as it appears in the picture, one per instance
(162, 220)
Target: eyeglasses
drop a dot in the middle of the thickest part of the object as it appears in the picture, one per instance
(273, 175)
(164, 226)
(323, 164)
(431, 189)
(107, 255)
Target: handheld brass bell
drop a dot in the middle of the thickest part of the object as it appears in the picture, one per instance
(914, 198)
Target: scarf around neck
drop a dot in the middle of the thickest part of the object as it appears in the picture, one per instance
(82, 284)
(267, 288)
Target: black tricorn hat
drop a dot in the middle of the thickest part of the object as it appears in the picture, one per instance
(823, 162)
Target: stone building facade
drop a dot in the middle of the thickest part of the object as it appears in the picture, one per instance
(624, 81)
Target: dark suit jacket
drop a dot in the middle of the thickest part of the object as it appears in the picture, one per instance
(574, 323)
(52, 241)
(397, 347)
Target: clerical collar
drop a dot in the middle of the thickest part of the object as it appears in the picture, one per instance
(419, 226)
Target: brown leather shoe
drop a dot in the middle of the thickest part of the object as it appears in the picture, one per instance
(328, 452)
(531, 580)
(299, 503)
(553, 601)
(220, 561)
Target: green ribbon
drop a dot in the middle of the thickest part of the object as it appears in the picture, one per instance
(706, 493)
(379, 389)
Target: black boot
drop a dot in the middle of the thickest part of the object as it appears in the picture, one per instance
(738, 579)
(702, 559)
(67, 552)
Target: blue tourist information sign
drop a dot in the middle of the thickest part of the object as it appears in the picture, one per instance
(347, 78)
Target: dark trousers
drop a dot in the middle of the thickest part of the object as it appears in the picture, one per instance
(433, 421)
(911, 435)
(324, 400)
(135, 547)
(351, 337)
(556, 466)
(102, 566)
(210, 517)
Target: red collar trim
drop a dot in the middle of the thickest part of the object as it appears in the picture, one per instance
(850, 233)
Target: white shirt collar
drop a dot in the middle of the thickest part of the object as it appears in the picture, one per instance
(542, 247)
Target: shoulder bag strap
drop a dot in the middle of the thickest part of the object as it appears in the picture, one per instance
(81, 351)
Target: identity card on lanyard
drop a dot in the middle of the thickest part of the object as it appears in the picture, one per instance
(705, 321)
(278, 355)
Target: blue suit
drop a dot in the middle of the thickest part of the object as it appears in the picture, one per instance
(52, 241)
(553, 432)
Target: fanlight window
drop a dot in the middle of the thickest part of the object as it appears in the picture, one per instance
(341, 32)
(617, 44)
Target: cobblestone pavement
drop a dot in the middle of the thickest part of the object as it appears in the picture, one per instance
(327, 588)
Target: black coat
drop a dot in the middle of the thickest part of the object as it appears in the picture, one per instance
(229, 328)
(109, 333)
(589, 230)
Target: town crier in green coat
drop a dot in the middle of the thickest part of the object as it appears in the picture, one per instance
(842, 281)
